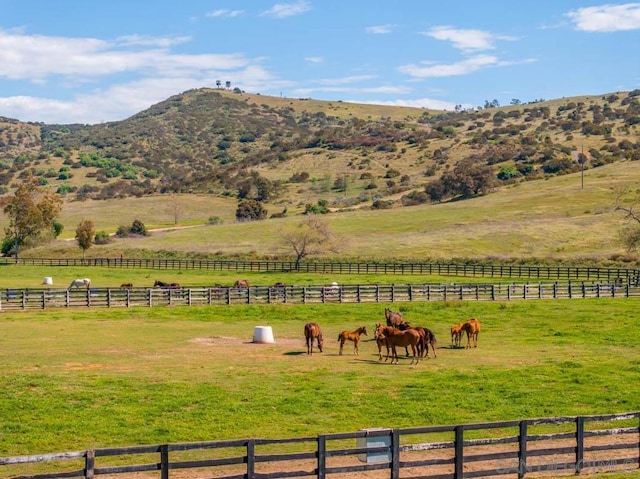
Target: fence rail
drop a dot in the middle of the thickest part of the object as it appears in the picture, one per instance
(560, 445)
(609, 275)
(23, 299)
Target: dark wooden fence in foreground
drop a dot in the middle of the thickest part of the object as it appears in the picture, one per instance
(11, 299)
(558, 446)
(609, 275)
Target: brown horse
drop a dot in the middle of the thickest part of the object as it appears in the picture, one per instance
(380, 341)
(394, 337)
(354, 336)
(126, 286)
(427, 338)
(393, 318)
(456, 335)
(241, 283)
(472, 328)
(312, 331)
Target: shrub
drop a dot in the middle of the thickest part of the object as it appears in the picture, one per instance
(250, 210)
(122, 231)
(102, 237)
(138, 228)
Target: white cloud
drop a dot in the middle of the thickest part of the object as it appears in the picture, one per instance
(148, 41)
(464, 67)
(223, 12)
(37, 58)
(607, 18)
(467, 40)
(283, 10)
(314, 59)
(379, 29)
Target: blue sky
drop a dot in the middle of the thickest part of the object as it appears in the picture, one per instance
(91, 61)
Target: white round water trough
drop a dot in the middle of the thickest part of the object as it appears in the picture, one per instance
(47, 280)
(263, 335)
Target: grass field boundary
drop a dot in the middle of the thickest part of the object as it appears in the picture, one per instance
(24, 299)
(560, 273)
(568, 446)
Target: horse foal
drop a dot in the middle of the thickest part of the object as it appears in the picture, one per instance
(354, 336)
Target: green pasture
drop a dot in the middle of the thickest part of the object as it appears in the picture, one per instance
(85, 378)
(27, 276)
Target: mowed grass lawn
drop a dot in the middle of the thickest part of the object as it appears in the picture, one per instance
(78, 379)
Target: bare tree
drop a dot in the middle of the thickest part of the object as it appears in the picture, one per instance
(630, 234)
(312, 236)
(175, 208)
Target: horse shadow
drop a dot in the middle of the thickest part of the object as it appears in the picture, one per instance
(294, 353)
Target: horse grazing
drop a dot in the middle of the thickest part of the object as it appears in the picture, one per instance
(394, 337)
(312, 331)
(241, 283)
(354, 336)
(472, 328)
(456, 335)
(393, 318)
(126, 285)
(160, 284)
(80, 282)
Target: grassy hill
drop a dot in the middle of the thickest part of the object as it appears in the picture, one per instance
(192, 157)
(553, 220)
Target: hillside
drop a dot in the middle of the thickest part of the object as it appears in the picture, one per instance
(288, 153)
(566, 219)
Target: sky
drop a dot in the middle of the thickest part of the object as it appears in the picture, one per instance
(94, 61)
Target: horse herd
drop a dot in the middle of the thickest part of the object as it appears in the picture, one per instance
(86, 283)
(397, 333)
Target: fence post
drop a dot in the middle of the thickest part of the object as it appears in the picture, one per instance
(459, 452)
(395, 454)
(522, 450)
(251, 458)
(579, 443)
(164, 461)
(89, 464)
(43, 298)
(322, 457)
(108, 297)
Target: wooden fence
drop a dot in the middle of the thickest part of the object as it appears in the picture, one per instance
(558, 446)
(12, 299)
(609, 275)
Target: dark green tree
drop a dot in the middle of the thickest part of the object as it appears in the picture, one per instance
(249, 210)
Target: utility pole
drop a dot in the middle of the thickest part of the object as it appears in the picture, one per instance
(582, 168)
